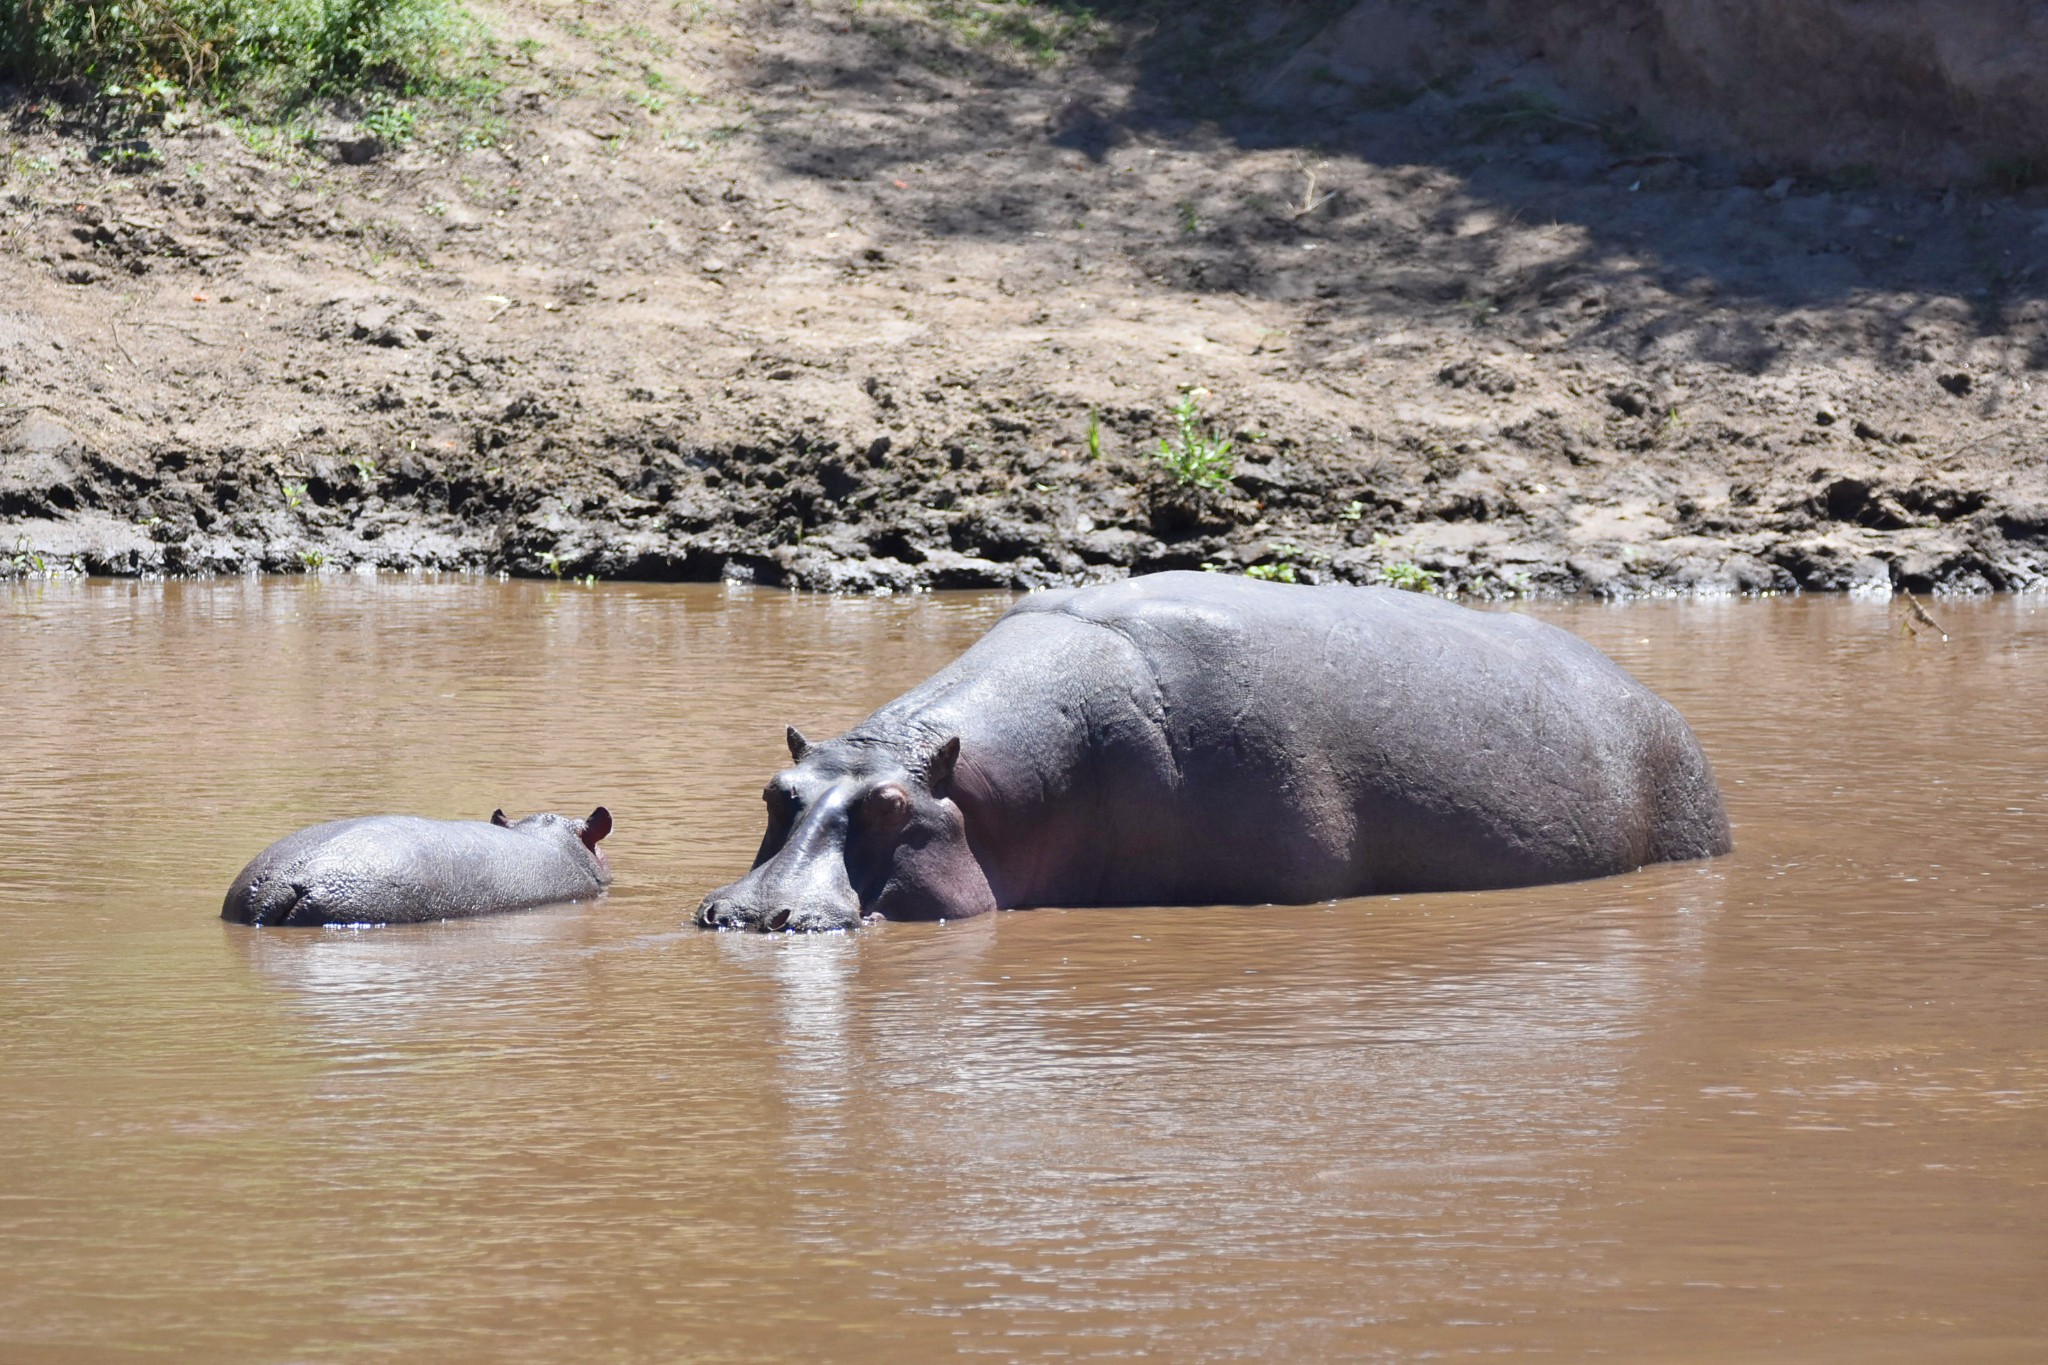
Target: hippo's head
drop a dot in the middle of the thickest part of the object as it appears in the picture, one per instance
(856, 829)
(577, 838)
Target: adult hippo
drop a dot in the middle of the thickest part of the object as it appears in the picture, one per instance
(1191, 738)
(401, 869)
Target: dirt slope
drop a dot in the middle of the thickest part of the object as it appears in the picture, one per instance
(826, 295)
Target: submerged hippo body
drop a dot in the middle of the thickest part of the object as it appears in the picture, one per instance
(400, 869)
(1192, 738)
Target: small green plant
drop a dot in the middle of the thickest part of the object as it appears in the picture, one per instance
(311, 560)
(27, 563)
(1094, 437)
(1281, 572)
(128, 157)
(551, 563)
(294, 494)
(1193, 455)
(392, 124)
(365, 468)
(1190, 220)
(1351, 511)
(1408, 577)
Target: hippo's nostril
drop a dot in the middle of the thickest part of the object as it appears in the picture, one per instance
(778, 919)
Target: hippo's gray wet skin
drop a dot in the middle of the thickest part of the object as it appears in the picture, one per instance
(400, 869)
(1192, 738)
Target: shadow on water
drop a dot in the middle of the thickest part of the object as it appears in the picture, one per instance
(1475, 186)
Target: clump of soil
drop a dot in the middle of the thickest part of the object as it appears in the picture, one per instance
(842, 298)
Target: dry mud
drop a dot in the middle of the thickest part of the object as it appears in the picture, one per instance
(832, 296)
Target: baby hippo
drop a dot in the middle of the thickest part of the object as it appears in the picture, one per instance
(400, 869)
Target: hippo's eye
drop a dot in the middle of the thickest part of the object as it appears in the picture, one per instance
(885, 809)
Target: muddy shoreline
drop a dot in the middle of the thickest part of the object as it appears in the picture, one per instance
(875, 310)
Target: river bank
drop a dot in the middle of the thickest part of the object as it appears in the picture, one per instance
(839, 298)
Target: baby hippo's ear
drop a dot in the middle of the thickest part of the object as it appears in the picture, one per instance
(595, 828)
(798, 745)
(498, 818)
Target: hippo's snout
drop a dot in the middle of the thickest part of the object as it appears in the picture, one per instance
(721, 913)
(724, 911)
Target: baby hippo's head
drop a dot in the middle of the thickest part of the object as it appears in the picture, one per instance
(579, 838)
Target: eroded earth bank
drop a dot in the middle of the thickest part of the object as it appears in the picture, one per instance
(872, 297)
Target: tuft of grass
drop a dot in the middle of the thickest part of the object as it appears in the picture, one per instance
(1094, 437)
(1193, 455)
(392, 124)
(1408, 577)
(1282, 572)
(312, 560)
(126, 158)
(1848, 179)
(2014, 174)
(1514, 111)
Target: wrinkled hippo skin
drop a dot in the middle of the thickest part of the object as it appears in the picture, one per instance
(401, 869)
(1191, 738)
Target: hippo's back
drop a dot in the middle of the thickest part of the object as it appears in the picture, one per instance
(391, 869)
(1381, 740)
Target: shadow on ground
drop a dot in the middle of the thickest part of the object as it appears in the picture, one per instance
(1217, 149)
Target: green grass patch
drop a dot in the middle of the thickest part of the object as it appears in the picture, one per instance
(1036, 32)
(260, 58)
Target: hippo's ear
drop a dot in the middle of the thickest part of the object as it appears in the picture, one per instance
(939, 772)
(798, 745)
(595, 828)
(498, 818)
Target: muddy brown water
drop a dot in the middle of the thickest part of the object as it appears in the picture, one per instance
(1787, 1106)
